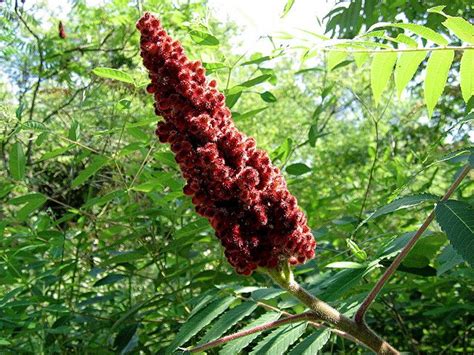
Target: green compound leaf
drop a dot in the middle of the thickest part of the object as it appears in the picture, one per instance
(406, 67)
(420, 30)
(380, 72)
(436, 75)
(456, 219)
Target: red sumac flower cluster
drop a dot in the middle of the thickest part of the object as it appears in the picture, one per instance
(232, 183)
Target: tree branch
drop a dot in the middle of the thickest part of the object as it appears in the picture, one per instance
(359, 316)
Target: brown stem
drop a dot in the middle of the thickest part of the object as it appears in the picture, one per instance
(360, 331)
(359, 316)
(291, 319)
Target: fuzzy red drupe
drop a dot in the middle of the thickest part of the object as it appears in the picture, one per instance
(232, 183)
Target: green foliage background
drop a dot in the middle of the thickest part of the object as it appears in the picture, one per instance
(100, 251)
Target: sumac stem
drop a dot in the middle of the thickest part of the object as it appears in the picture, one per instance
(359, 316)
(323, 311)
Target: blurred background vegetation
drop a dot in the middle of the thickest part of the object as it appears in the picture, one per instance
(100, 251)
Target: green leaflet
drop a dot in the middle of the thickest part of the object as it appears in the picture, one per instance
(289, 4)
(312, 343)
(193, 325)
(334, 58)
(280, 339)
(17, 161)
(436, 75)
(380, 72)
(466, 72)
(97, 163)
(420, 30)
(114, 74)
(406, 67)
(227, 320)
(298, 169)
(461, 28)
(235, 346)
(203, 38)
(456, 219)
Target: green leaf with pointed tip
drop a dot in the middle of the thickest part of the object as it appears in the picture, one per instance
(298, 169)
(406, 67)
(380, 72)
(456, 219)
(437, 70)
(424, 32)
(466, 72)
(193, 325)
(248, 114)
(17, 161)
(402, 203)
(280, 339)
(33, 202)
(334, 58)
(203, 38)
(235, 346)
(114, 74)
(345, 265)
(255, 81)
(312, 343)
(289, 4)
(267, 96)
(461, 28)
(227, 320)
(97, 163)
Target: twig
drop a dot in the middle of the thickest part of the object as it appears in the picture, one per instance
(359, 316)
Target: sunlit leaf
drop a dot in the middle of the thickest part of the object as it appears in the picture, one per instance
(380, 72)
(289, 4)
(461, 28)
(335, 57)
(203, 38)
(466, 72)
(406, 67)
(114, 74)
(437, 70)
